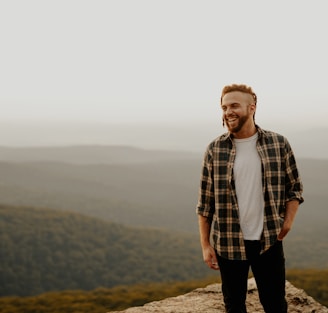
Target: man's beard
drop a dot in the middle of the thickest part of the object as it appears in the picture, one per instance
(241, 121)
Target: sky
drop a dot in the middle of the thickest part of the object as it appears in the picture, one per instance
(115, 68)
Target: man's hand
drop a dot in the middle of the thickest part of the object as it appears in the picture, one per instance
(209, 254)
(286, 227)
(209, 257)
(291, 209)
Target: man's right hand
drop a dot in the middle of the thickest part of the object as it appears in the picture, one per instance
(209, 255)
(210, 258)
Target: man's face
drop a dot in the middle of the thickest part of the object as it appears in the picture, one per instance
(237, 109)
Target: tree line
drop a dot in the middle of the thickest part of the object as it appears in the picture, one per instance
(43, 250)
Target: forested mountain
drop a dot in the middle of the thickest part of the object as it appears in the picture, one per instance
(45, 250)
(160, 194)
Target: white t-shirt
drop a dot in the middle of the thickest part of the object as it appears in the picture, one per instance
(248, 181)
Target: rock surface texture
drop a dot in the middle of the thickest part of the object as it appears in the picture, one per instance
(210, 300)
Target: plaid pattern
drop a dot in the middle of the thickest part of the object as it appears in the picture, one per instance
(217, 195)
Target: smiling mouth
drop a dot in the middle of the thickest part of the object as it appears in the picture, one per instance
(231, 120)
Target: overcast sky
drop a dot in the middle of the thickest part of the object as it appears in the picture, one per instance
(161, 62)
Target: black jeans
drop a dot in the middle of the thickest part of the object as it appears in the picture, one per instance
(269, 272)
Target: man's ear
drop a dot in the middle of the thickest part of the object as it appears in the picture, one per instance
(253, 107)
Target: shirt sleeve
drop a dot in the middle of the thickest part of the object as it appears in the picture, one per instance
(294, 186)
(206, 203)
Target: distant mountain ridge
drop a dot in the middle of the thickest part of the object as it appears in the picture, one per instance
(307, 142)
(91, 154)
(152, 194)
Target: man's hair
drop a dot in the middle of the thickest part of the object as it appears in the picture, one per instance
(241, 88)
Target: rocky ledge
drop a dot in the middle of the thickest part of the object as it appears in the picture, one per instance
(210, 300)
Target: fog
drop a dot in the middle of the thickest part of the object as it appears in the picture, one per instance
(149, 73)
(307, 143)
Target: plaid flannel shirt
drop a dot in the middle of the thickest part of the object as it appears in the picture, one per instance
(217, 194)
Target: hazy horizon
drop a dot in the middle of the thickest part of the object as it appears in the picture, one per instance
(306, 143)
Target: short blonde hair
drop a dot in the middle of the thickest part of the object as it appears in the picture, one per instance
(241, 88)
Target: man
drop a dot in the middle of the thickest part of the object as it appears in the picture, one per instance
(249, 195)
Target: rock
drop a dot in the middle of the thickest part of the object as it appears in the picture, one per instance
(210, 300)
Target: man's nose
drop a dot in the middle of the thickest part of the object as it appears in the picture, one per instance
(229, 110)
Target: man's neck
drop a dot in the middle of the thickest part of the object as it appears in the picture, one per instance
(245, 132)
